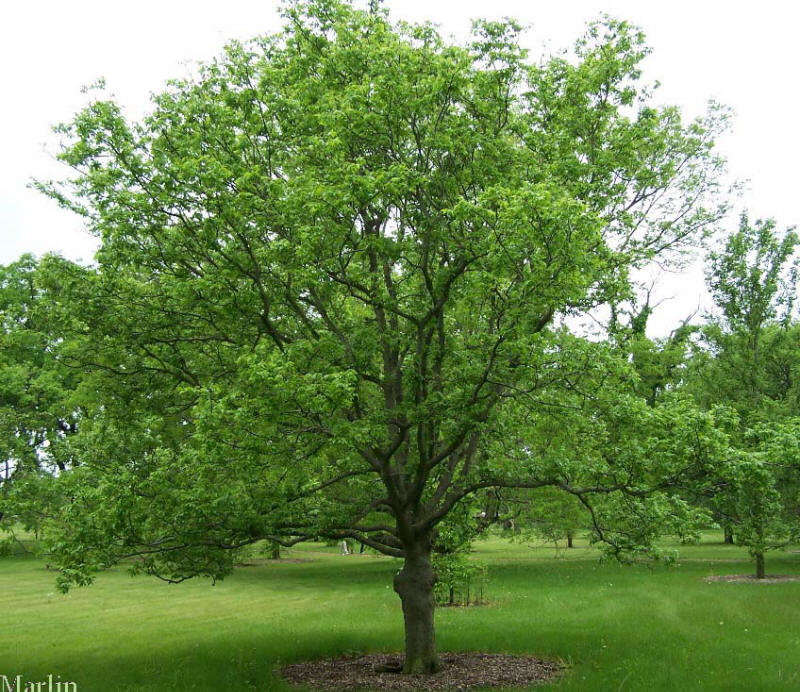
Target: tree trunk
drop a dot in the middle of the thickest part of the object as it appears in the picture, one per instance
(760, 564)
(728, 535)
(569, 540)
(414, 584)
(274, 550)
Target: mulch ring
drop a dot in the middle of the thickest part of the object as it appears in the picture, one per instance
(261, 562)
(752, 579)
(460, 671)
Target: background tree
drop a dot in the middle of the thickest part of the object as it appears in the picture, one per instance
(547, 513)
(748, 361)
(39, 411)
(760, 490)
(330, 268)
(753, 282)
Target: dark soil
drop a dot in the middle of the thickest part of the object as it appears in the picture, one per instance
(752, 579)
(460, 671)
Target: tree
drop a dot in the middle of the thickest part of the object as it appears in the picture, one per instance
(38, 410)
(547, 513)
(330, 270)
(747, 364)
(761, 489)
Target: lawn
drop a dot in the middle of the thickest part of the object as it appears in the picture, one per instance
(618, 627)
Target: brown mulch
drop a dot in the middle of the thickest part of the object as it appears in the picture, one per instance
(751, 579)
(271, 561)
(472, 604)
(460, 671)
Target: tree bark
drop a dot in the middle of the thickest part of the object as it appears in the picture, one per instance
(760, 564)
(414, 584)
(569, 540)
(274, 550)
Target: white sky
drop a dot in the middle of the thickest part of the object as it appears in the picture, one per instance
(741, 53)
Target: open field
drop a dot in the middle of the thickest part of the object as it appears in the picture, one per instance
(619, 628)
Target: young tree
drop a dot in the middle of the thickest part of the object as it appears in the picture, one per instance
(329, 271)
(761, 489)
(747, 365)
(451, 548)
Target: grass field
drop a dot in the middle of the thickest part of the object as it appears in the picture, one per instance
(618, 628)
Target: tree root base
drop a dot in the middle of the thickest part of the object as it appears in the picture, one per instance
(460, 671)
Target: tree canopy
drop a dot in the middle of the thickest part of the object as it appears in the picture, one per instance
(329, 299)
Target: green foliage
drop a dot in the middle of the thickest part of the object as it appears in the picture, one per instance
(748, 361)
(34, 413)
(659, 364)
(754, 279)
(750, 354)
(460, 580)
(331, 271)
(671, 447)
(762, 486)
(40, 411)
(548, 513)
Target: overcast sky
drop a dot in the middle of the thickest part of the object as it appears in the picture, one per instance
(741, 54)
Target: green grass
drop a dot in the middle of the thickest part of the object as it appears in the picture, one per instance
(619, 628)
